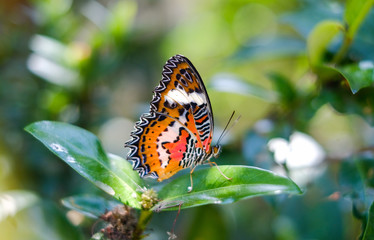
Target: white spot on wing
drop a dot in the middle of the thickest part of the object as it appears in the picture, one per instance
(184, 98)
(178, 95)
(198, 98)
(169, 100)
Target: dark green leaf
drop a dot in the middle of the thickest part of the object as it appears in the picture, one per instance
(358, 75)
(340, 96)
(210, 187)
(284, 87)
(90, 206)
(82, 151)
(369, 230)
(366, 167)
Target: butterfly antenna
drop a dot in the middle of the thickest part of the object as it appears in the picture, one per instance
(224, 130)
(227, 128)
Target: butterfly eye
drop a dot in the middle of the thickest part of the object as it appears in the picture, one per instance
(216, 151)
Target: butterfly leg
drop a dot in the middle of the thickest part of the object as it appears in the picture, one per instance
(190, 187)
(215, 164)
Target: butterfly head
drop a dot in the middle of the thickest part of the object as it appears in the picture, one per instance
(216, 150)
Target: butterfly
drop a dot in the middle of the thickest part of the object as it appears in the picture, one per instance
(177, 132)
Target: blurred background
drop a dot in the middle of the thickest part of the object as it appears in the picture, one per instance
(94, 64)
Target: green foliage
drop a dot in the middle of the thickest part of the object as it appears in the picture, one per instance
(211, 187)
(114, 175)
(84, 153)
(369, 229)
(359, 75)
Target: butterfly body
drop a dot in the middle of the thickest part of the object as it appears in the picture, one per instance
(177, 131)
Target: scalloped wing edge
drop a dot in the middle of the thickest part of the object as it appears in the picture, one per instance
(146, 117)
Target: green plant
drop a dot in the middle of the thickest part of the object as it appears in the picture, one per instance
(83, 152)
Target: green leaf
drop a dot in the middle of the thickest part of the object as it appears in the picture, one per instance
(89, 205)
(355, 13)
(210, 187)
(358, 75)
(369, 229)
(284, 87)
(82, 151)
(339, 94)
(320, 38)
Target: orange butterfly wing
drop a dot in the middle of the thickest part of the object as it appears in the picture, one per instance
(177, 132)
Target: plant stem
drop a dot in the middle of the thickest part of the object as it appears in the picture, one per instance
(144, 218)
(351, 30)
(343, 50)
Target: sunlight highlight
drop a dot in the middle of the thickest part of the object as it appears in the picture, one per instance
(14, 201)
(106, 188)
(302, 155)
